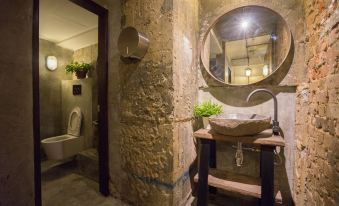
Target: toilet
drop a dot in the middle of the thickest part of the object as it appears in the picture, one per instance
(67, 145)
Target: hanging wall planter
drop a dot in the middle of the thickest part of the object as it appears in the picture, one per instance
(132, 44)
(80, 69)
(81, 74)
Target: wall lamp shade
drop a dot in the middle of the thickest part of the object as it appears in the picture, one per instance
(265, 70)
(248, 72)
(51, 62)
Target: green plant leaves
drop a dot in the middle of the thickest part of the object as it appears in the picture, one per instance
(207, 108)
(74, 67)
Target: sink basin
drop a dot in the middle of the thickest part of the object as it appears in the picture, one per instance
(239, 124)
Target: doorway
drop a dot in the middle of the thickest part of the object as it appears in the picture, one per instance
(101, 72)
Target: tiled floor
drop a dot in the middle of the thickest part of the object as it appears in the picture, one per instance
(61, 185)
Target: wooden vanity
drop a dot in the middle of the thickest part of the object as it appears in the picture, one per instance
(262, 187)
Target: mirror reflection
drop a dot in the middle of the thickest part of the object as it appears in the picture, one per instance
(246, 45)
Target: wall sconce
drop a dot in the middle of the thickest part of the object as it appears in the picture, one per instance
(51, 63)
(265, 70)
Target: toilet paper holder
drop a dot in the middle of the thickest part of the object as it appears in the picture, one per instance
(132, 43)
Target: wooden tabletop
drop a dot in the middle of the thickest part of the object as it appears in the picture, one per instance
(264, 138)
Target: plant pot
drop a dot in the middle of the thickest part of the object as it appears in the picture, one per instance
(81, 74)
(206, 123)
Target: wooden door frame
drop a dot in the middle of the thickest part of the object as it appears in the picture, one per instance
(102, 72)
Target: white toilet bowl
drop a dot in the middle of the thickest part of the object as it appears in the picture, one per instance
(67, 145)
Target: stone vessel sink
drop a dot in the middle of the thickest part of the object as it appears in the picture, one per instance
(239, 124)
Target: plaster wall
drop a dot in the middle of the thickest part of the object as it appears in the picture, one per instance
(16, 127)
(89, 54)
(282, 83)
(50, 88)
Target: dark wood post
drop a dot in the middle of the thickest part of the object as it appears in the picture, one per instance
(204, 157)
(213, 163)
(267, 175)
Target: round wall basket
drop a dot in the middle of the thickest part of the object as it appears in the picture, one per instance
(132, 44)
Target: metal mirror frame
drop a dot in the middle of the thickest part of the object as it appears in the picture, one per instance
(214, 22)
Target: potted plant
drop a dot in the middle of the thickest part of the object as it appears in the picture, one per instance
(80, 69)
(205, 110)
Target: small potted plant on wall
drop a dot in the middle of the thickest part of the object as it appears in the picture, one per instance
(205, 110)
(80, 69)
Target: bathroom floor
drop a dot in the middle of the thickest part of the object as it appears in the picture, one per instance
(62, 185)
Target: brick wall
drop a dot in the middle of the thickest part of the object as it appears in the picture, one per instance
(317, 123)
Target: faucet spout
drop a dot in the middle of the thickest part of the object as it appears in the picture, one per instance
(275, 119)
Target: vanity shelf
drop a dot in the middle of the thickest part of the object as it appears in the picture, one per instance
(235, 183)
(262, 187)
(263, 138)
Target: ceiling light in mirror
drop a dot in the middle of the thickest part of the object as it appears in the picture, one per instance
(265, 70)
(248, 72)
(252, 37)
(244, 24)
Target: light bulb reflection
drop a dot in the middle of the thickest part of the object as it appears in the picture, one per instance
(265, 70)
(244, 24)
(248, 72)
(274, 37)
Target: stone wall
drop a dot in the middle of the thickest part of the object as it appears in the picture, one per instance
(50, 88)
(16, 114)
(147, 106)
(156, 144)
(317, 124)
(282, 83)
(185, 53)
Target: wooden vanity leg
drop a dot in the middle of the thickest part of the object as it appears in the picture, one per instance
(204, 157)
(267, 175)
(213, 163)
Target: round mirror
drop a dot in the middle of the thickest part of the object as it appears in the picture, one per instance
(246, 45)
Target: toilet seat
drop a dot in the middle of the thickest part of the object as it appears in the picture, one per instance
(74, 122)
(57, 138)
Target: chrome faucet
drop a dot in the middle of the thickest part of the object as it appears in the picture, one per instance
(275, 127)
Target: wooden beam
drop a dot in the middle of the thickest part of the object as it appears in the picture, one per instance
(203, 172)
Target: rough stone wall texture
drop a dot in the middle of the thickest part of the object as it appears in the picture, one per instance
(50, 88)
(185, 52)
(147, 106)
(317, 124)
(156, 144)
(283, 85)
(16, 127)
